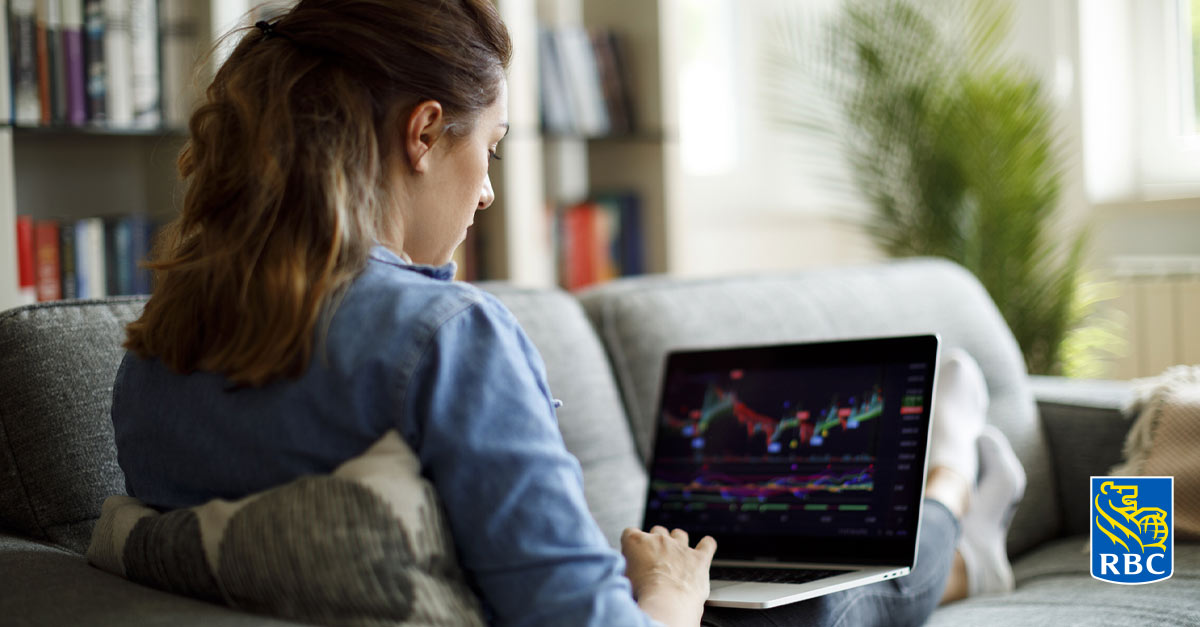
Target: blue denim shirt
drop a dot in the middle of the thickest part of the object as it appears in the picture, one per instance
(448, 366)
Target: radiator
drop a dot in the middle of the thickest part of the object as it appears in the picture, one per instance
(1160, 300)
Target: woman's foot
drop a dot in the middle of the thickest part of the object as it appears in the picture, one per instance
(960, 409)
(985, 525)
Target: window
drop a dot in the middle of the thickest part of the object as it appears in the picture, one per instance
(1191, 35)
(1140, 98)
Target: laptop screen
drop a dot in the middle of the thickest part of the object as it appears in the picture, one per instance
(805, 452)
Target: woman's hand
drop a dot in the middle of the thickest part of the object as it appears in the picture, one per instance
(670, 580)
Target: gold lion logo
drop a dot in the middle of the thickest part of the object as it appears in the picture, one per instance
(1150, 523)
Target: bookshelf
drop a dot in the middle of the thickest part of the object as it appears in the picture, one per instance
(549, 171)
(73, 165)
(71, 173)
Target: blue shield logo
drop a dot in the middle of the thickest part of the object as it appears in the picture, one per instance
(1133, 529)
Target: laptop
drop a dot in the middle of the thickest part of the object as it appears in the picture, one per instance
(806, 462)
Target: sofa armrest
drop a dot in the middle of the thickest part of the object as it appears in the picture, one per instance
(1085, 426)
(47, 585)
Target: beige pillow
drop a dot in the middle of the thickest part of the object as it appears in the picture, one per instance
(1165, 441)
(366, 545)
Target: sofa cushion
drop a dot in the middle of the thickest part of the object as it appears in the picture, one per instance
(1054, 587)
(1085, 428)
(367, 544)
(592, 418)
(46, 585)
(57, 456)
(640, 320)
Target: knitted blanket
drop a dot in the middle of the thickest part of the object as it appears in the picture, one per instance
(1165, 440)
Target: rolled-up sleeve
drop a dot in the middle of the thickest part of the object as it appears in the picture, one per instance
(485, 430)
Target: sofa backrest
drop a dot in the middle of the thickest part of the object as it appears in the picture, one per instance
(641, 320)
(592, 418)
(58, 461)
(58, 456)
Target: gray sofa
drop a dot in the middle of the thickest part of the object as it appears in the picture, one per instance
(603, 350)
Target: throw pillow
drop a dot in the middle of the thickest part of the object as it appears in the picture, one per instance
(1164, 439)
(365, 545)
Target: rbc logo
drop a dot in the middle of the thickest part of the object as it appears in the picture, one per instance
(1133, 529)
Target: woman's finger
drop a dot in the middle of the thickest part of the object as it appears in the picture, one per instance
(707, 545)
(681, 535)
(659, 530)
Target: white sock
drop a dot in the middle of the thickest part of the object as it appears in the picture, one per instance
(985, 525)
(960, 407)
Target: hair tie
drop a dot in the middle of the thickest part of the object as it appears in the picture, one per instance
(269, 29)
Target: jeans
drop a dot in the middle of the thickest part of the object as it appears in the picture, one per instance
(907, 600)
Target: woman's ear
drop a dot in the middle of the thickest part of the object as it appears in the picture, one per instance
(422, 129)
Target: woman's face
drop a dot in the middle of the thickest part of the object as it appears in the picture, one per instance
(455, 186)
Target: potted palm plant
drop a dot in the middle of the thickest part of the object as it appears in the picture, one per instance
(951, 144)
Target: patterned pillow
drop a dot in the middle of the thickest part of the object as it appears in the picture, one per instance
(1164, 439)
(366, 545)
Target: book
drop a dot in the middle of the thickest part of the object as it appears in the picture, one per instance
(582, 81)
(6, 108)
(27, 108)
(629, 245)
(74, 63)
(45, 250)
(118, 61)
(118, 257)
(557, 116)
(181, 48)
(26, 261)
(89, 258)
(144, 75)
(66, 261)
(141, 231)
(42, 51)
(96, 75)
(614, 80)
(579, 241)
(56, 62)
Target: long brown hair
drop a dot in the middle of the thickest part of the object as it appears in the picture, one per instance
(287, 170)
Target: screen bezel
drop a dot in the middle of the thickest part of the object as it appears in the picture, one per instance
(866, 352)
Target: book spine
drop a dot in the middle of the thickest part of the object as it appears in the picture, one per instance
(556, 107)
(92, 260)
(118, 59)
(579, 245)
(45, 101)
(45, 246)
(26, 261)
(144, 81)
(583, 81)
(97, 70)
(182, 47)
(83, 287)
(612, 80)
(6, 102)
(633, 239)
(73, 59)
(57, 62)
(68, 268)
(26, 104)
(139, 250)
(118, 277)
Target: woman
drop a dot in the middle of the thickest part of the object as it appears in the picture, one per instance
(303, 307)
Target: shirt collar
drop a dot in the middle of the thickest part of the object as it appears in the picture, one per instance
(384, 254)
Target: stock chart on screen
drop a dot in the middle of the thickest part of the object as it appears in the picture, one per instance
(821, 449)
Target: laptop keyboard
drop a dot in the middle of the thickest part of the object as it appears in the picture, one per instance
(769, 575)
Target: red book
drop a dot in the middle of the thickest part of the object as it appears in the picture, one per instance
(26, 273)
(45, 246)
(579, 225)
(43, 66)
